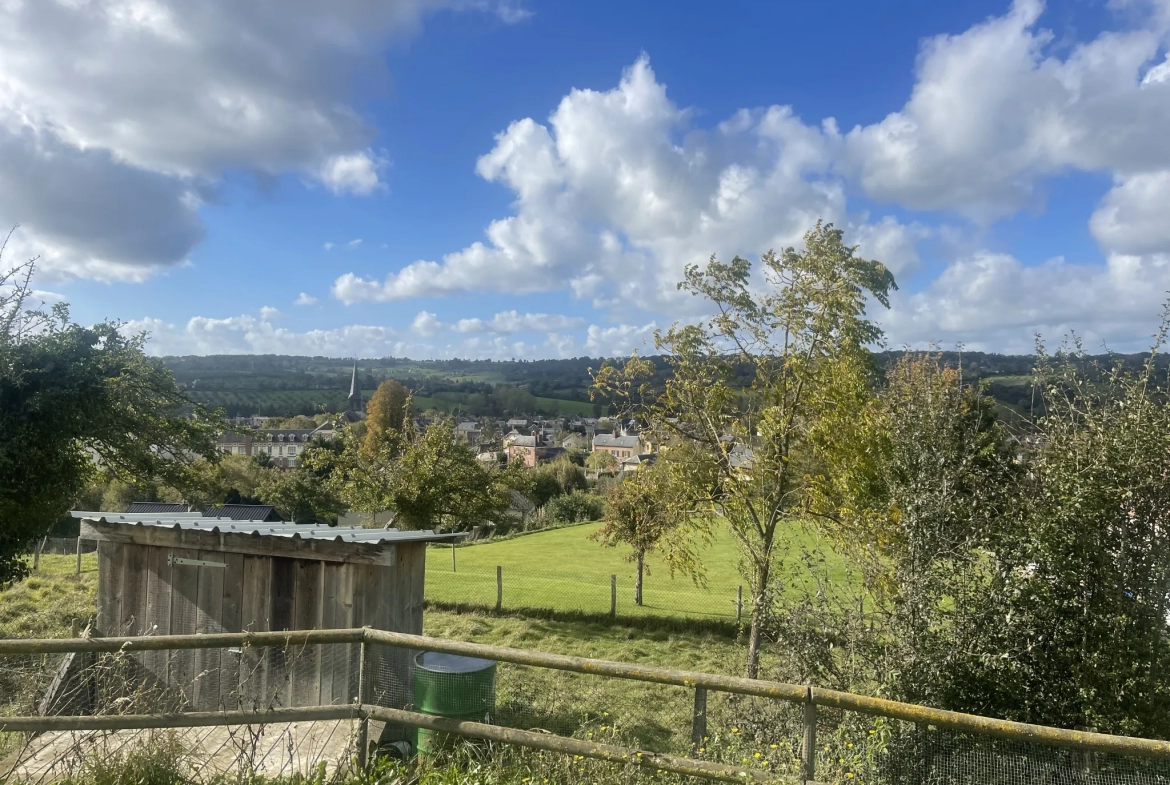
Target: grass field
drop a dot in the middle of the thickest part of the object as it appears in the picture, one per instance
(563, 569)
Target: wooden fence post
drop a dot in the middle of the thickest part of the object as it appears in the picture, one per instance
(808, 756)
(613, 596)
(699, 719)
(452, 556)
(79, 556)
(738, 604)
(499, 587)
(363, 735)
(37, 553)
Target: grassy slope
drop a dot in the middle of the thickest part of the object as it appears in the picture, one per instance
(564, 569)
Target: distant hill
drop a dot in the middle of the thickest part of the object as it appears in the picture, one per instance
(280, 385)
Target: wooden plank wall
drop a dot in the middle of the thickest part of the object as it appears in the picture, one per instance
(140, 591)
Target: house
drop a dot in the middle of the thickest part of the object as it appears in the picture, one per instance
(468, 432)
(517, 422)
(620, 447)
(634, 462)
(526, 449)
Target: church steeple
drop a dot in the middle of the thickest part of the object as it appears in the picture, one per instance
(356, 403)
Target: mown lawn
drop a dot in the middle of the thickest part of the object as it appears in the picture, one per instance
(565, 570)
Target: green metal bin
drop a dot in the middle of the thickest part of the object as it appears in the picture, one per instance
(448, 685)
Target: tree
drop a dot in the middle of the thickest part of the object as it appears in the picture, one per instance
(75, 398)
(386, 412)
(749, 384)
(601, 461)
(299, 496)
(635, 516)
(916, 488)
(426, 478)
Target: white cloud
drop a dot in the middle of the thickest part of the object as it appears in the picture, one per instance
(246, 334)
(268, 313)
(355, 173)
(305, 299)
(992, 302)
(619, 340)
(117, 116)
(618, 192)
(354, 243)
(327, 246)
(1134, 217)
(426, 324)
(993, 112)
(515, 322)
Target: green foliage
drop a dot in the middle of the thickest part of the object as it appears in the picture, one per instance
(574, 507)
(748, 387)
(634, 515)
(1026, 578)
(73, 395)
(299, 496)
(601, 461)
(430, 481)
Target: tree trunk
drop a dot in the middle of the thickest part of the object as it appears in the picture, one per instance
(641, 558)
(759, 599)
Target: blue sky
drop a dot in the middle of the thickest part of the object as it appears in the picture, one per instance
(517, 178)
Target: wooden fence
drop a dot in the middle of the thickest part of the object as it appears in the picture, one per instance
(809, 697)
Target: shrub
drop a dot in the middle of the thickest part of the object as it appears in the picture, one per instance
(574, 507)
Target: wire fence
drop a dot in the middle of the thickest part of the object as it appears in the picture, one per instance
(569, 589)
(767, 731)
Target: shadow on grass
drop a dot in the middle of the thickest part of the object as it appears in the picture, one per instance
(666, 624)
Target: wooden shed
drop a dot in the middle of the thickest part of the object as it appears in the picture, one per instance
(184, 574)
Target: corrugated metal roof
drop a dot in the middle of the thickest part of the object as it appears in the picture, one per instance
(282, 529)
(157, 507)
(242, 512)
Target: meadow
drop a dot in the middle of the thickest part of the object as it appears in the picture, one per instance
(566, 569)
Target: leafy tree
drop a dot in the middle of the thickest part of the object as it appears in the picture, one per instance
(299, 496)
(635, 516)
(427, 479)
(917, 487)
(74, 398)
(601, 461)
(386, 412)
(749, 384)
(1077, 603)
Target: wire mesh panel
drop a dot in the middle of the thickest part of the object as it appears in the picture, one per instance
(566, 590)
(920, 755)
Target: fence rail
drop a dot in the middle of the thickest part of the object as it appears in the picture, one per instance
(807, 698)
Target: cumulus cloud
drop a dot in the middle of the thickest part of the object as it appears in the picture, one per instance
(619, 340)
(305, 299)
(355, 173)
(516, 322)
(107, 151)
(327, 246)
(247, 334)
(992, 302)
(619, 191)
(426, 324)
(993, 112)
(1134, 217)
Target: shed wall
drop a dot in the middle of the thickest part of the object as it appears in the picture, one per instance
(142, 592)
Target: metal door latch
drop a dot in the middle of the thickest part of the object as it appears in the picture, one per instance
(172, 560)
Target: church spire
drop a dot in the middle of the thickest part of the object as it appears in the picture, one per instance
(356, 403)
